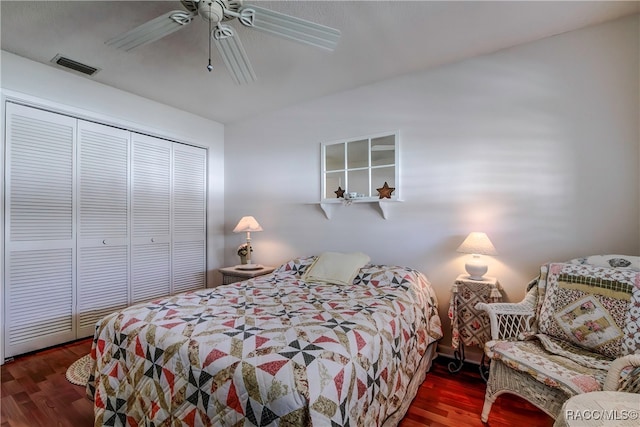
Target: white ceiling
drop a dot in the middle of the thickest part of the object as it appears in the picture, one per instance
(380, 40)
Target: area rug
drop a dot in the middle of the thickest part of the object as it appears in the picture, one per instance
(78, 372)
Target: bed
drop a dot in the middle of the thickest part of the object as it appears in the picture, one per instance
(274, 350)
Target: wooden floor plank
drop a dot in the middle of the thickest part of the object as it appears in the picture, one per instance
(35, 393)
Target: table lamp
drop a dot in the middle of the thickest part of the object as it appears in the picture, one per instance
(248, 224)
(477, 244)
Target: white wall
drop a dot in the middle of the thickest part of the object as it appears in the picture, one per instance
(537, 145)
(74, 94)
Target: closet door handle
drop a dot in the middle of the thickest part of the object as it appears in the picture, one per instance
(153, 240)
(104, 242)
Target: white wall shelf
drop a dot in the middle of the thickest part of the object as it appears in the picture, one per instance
(330, 205)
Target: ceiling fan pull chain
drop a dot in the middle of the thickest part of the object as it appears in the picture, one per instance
(210, 34)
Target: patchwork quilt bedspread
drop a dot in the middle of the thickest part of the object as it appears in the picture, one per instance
(273, 350)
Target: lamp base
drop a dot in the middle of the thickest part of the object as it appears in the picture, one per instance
(476, 268)
(248, 267)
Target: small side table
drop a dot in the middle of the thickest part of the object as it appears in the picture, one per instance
(233, 274)
(600, 409)
(468, 326)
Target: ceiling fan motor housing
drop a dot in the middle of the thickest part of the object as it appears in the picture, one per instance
(212, 10)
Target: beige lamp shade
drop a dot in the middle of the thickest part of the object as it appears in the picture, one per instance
(477, 244)
(248, 224)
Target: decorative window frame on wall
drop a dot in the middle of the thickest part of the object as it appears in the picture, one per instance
(359, 166)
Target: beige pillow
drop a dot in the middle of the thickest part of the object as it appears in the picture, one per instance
(334, 267)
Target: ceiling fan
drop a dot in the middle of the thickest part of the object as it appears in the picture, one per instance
(217, 12)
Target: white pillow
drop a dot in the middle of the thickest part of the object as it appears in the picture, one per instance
(334, 267)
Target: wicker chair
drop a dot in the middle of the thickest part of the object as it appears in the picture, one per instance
(538, 348)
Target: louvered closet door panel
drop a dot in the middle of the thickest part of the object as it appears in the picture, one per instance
(151, 218)
(39, 231)
(40, 171)
(40, 298)
(151, 271)
(103, 223)
(103, 284)
(189, 266)
(189, 217)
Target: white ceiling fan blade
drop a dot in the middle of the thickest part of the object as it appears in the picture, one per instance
(233, 55)
(152, 30)
(291, 28)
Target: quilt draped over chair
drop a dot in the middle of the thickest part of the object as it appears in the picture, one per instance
(576, 331)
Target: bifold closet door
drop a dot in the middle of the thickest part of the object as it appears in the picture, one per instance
(189, 218)
(39, 289)
(103, 223)
(151, 218)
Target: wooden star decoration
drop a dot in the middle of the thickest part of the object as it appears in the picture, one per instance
(339, 192)
(385, 191)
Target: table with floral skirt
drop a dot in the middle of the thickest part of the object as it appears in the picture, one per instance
(470, 327)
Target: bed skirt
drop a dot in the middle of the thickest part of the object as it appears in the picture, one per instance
(412, 390)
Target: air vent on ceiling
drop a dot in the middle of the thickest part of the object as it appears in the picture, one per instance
(74, 65)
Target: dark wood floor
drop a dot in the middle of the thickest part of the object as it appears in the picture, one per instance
(446, 399)
(36, 393)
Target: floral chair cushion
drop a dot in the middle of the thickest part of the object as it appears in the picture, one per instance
(584, 374)
(592, 307)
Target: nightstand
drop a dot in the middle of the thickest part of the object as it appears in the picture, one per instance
(468, 326)
(233, 274)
